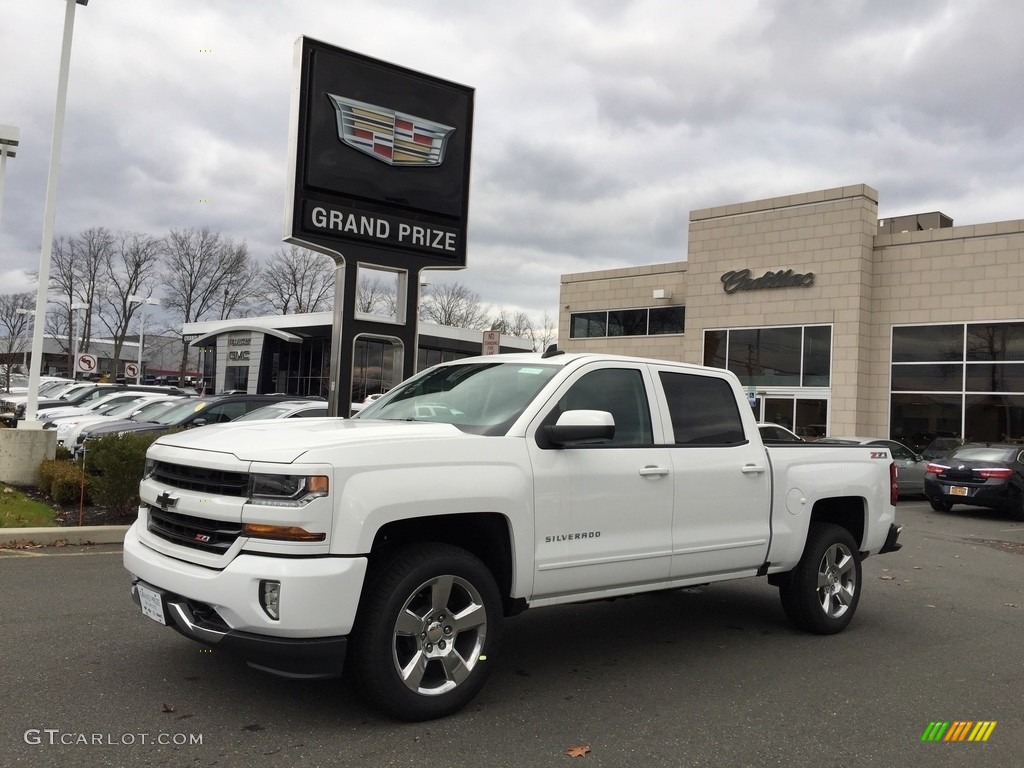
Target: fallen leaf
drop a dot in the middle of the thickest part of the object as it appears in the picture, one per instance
(167, 708)
(918, 567)
(887, 578)
(580, 750)
(1011, 605)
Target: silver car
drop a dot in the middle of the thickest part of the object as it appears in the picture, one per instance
(910, 466)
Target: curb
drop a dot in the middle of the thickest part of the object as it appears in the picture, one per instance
(74, 535)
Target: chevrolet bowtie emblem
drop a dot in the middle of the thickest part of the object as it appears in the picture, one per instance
(166, 501)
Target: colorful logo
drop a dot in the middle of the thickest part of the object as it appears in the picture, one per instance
(392, 137)
(958, 730)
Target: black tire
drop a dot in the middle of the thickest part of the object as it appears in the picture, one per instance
(939, 505)
(427, 632)
(821, 594)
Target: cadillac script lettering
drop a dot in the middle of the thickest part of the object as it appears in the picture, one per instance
(740, 280)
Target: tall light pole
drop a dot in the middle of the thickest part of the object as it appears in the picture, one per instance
(143, 300)
(8, 141)
(73, 337)
(30, 421)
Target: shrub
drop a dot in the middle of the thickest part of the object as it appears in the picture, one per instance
(66, 487)
(47, 472)
(63, 454)
(115, 464)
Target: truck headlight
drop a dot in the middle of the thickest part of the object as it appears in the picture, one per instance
(286, 490)
(149, 469)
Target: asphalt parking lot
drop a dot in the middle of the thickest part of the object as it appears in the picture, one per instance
(704, 677)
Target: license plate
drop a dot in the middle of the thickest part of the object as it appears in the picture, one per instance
(152, 604)
(958, 490)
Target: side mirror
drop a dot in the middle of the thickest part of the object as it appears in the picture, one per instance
(198, 423)
(580, 427)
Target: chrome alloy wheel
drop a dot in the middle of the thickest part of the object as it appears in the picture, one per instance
(439, 635)
(837, 580)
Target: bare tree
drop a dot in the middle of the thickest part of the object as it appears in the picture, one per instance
(200, 268)
(76, 269)
(15, 339)
(519, 324)
(296, 280)
(454, 305)
(130, 270)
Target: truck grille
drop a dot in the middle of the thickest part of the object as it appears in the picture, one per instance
(213, 481)
(197, 532)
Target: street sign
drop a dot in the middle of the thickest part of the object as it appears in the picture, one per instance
(131, 370)
(86, 363)
(491, 343)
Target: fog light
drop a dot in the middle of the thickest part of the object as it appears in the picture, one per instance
(270, 598)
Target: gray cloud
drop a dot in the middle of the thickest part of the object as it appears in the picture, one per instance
(599, 124)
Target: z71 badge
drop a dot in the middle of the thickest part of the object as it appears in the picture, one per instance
(879, 455)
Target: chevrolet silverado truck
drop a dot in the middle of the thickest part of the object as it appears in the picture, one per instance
(395, 543)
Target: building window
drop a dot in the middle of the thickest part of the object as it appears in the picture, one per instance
(236, 377)
(792, 356)
(962, 379)
(651, 321)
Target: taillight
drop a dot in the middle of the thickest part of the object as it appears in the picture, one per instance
(935, 469)
(894, 488)
(995, 473)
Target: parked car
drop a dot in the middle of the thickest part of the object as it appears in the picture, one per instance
(910, 467)
(144, 408)
(776, 433)
(983, 475)
(195, 412)
(84, 393)
(288, 409)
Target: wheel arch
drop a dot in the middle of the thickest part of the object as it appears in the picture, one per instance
(849, 512)
(486, 535)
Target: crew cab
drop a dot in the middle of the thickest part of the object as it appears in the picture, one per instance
(394, 544)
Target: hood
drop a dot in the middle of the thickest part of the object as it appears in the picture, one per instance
(286, 440)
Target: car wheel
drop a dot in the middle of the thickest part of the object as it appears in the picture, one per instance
(821, 594)
(427, 631)
(939, 505)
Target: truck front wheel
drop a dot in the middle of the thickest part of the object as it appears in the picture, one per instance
(427, 632)
(821, 594)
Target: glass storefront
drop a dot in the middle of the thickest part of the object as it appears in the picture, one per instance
(957, 380)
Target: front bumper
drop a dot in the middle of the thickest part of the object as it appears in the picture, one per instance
(221, 606)
(317, 657)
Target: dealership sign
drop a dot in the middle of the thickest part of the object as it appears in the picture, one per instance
(380, 158)
(740, 280)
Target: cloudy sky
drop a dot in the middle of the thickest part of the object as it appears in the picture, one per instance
(599, 124)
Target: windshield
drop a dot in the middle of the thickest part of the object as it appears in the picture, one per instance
(266, 412)
(482, 398)
(179, 413)
(150, 410)
(985, 453)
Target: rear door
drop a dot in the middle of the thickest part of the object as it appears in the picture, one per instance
(721, 517)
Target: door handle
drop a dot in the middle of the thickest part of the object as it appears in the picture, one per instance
(653, 471)
(752, 469)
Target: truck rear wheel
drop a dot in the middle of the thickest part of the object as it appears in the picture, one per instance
(821, 594)
(427, 632)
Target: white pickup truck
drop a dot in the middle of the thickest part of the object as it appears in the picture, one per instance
(395, 543)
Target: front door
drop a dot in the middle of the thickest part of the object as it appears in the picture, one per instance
(603, 511)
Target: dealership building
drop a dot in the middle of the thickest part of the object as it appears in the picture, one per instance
(292, 354)
(837, 322)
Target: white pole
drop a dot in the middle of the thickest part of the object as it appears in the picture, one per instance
(142, 337)
(48, 221)
(3, 172)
